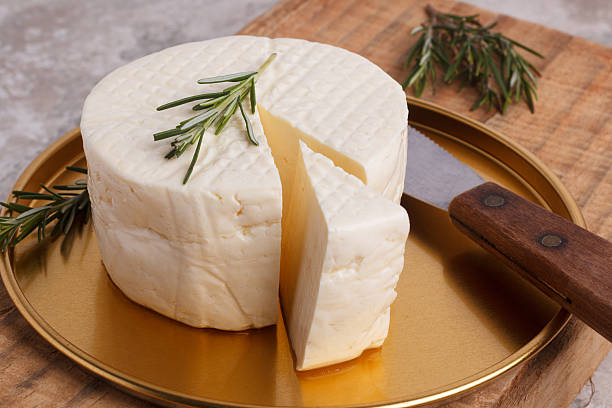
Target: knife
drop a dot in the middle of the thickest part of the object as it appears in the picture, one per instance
(568, 263)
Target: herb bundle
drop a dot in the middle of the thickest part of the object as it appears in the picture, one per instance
(466, 50)
(68, 204)
(217, 108)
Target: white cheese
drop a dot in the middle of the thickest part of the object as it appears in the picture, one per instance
(343, 257)
(207, 253)
(341, 105)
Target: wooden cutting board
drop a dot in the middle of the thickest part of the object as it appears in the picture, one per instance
(571, 132)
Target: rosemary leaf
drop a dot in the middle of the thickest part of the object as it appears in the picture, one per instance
(415, 49)
(190, 99)
(70, 187)
(77, 169)
(450, 73)
(230, 110)
(19, 208)
(194, 159)
(537, 54)
(249, 128)
(53, 194)
(197, 119)
(211, 102)
(227, 78)
(496, 74)
(166, 134)
(253, 103)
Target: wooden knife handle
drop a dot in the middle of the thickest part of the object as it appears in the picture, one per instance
(570, 264)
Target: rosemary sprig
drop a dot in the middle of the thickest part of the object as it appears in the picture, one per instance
(466, 50)
(216, 110)
(69, 205)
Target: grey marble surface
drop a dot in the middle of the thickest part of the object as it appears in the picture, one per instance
(52, 52)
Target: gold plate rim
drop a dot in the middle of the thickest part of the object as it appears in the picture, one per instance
(167, 396)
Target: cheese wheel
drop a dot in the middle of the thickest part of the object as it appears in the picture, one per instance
(208, 253)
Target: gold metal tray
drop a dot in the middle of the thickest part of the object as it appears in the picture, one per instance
(460, 319)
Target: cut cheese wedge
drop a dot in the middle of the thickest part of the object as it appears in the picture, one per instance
(344, 253)
(208, 253)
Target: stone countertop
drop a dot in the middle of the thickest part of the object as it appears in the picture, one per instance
(54, 52)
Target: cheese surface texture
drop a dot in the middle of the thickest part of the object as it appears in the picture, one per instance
(343, 258)
(208, 253)
(339, 104)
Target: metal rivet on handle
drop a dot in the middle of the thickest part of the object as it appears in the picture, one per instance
(551, 240)
(494, 200)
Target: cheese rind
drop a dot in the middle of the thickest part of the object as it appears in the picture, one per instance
(343, 258)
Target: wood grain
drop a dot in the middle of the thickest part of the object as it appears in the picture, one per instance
(570, 264)
(571, 132)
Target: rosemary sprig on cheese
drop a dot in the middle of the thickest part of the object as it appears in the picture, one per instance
(68, 204)
(216, 110)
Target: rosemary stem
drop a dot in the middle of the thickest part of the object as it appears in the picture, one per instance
(265, 65)
(469, 51)
(216, 111)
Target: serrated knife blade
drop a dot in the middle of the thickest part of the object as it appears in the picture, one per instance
(434, 175)
(568, 263)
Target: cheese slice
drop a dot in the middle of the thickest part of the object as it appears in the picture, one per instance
(208, 253)
(343, 257)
